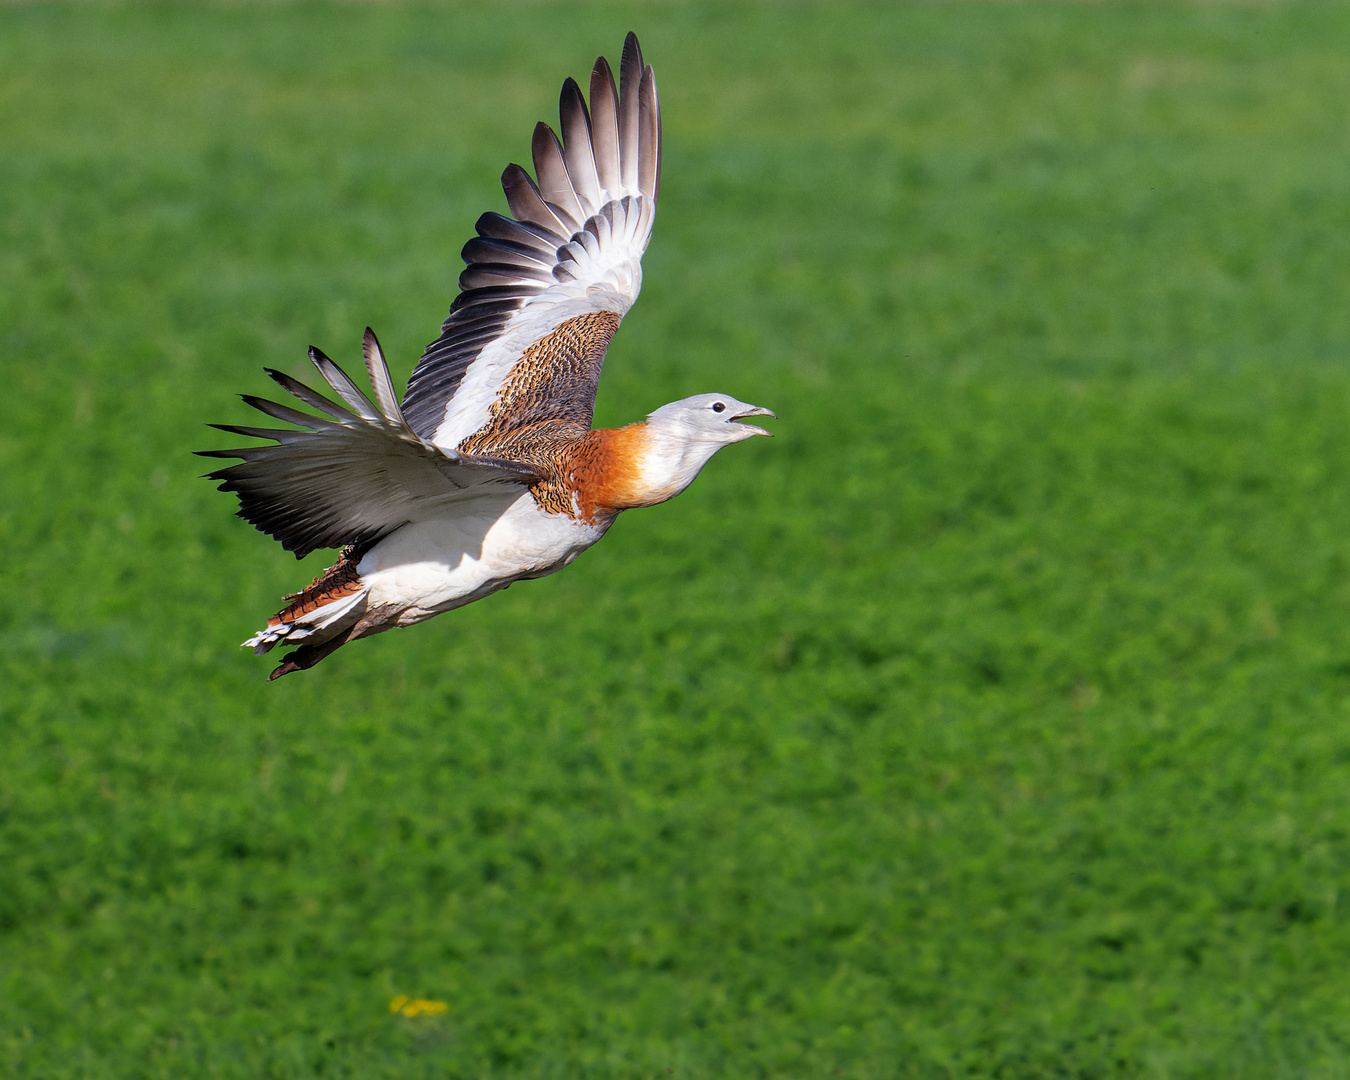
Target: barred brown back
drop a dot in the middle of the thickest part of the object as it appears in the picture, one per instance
(554, 381)
(542, 417)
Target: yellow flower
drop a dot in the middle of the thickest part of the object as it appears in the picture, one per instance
(416, 1006)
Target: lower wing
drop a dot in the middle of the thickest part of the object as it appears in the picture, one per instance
(351, 476)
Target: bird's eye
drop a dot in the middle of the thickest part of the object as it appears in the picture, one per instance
(719, 407)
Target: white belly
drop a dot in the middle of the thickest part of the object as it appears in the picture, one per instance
(477, 547)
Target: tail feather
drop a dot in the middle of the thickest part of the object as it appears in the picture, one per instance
(332, 603)
(331, 617)
(374, 620)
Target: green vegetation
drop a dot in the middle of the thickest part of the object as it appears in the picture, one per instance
(992, 721)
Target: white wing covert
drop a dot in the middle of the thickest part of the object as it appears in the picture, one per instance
(573, 246)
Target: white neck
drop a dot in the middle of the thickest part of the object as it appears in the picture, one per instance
(673, 457)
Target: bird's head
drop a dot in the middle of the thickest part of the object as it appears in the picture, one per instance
(709, 418)
(678, 440)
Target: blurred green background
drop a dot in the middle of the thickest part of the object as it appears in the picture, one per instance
(992, 721)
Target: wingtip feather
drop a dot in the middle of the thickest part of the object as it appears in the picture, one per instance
(380, 380)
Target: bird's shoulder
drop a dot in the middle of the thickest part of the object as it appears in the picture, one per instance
(586, 474)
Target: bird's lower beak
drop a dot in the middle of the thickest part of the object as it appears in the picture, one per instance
(755, 410)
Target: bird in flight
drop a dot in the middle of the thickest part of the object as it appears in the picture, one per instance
(489, 472)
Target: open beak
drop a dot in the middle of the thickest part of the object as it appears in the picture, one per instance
(755, 410)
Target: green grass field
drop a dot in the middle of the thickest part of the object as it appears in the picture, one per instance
(992, 721)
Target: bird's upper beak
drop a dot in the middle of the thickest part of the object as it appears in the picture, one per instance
(754, 410)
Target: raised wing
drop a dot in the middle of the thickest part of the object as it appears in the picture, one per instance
(351, 476)
(544, 289)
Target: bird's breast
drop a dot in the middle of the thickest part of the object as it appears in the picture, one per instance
(609, 472)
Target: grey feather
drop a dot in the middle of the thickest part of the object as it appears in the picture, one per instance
(495, 275)
(605, 126)
(630, 78)
(523, 197)
(649, 147)
(524, 233)
(380, 381)
(342, 385)
(278, 434)
(481, 249)
(555, 185)
(576, 134)
(284, 412)
(308, 396)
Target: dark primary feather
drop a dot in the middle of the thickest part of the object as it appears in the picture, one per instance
(613, 148)
(482, 249)
(486, 275)
(528, 236)
(527, 202)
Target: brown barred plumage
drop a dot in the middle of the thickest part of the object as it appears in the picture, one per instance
(339, 580)
(552, 386)
(542, 418)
